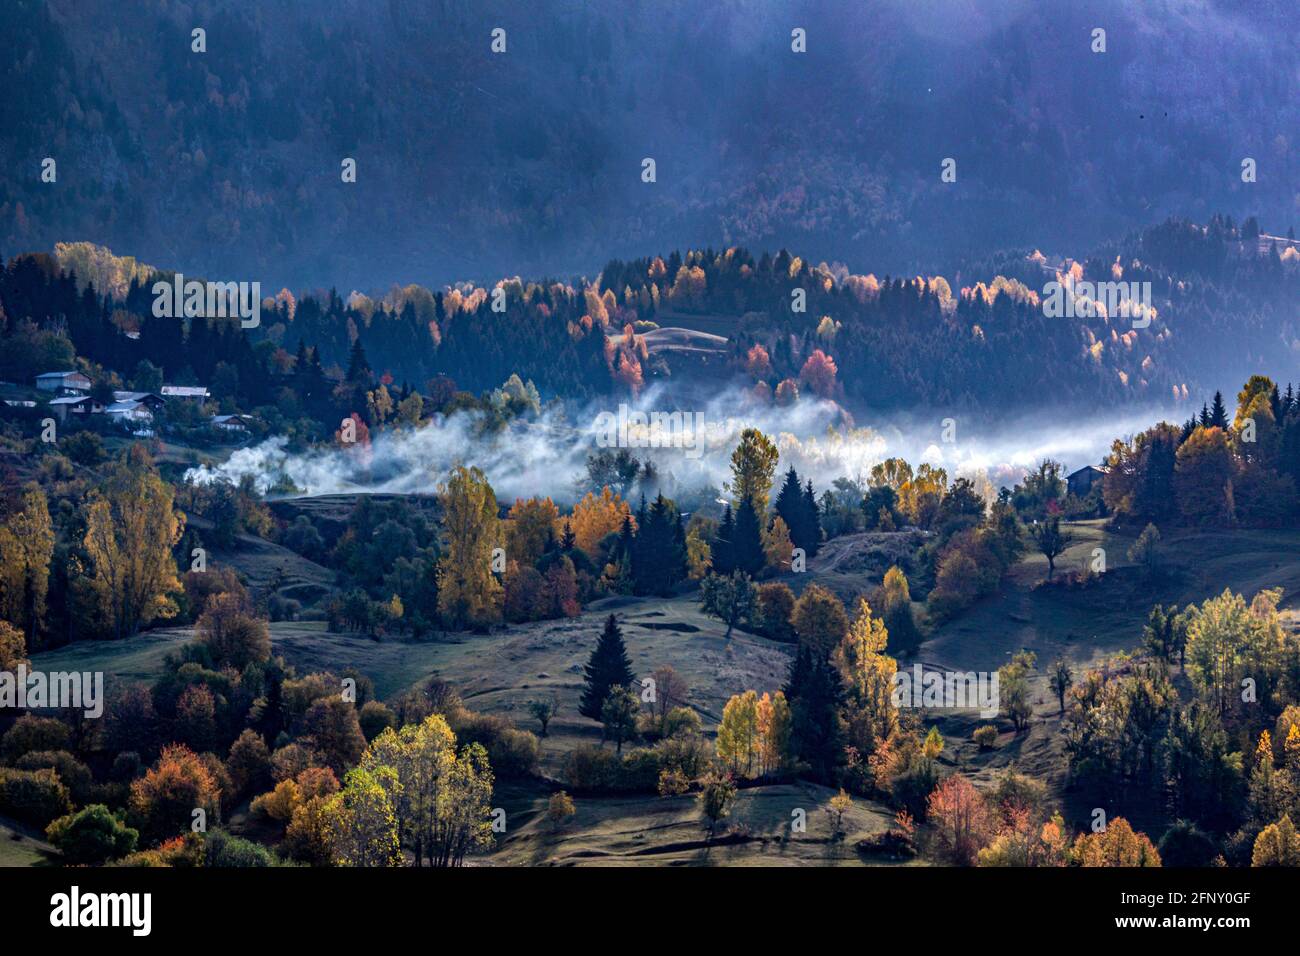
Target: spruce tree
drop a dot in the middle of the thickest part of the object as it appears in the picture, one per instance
(660, 560)
(816, 728)
(747, 545)
(358, 367)
(789, 506)
(722, 557)
(812, 521)
(1218, 413)
(608, 668)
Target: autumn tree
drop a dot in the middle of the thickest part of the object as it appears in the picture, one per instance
(1060, 680)
(232, 634)
(869, 674)
(1117, 845)
(717, 794)
(777, 546)
(530, 529)
(963, 822)
(332, 730)
(819, 373)
(26, 547)
(670, 691)
(1277, 844)
(163, 801)
(753, 463)
(131, 528)
(360, 821)
(1203, 472)
(441, 798)
(13, 649)
(468, 592)
(774, 727)
(596, 516)
(738, 741)
(559, 809)
(819, 620)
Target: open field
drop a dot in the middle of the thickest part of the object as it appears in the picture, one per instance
(19, 847)
(501, 672)
(671, 831)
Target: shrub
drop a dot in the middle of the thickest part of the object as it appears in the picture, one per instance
(375, 718)
(33, 796)
(775, 605)
(249, 763)
(75, 775)
(986, 736)
(560, 808)
(222, 849)
(91, 836)
(673, 783)
(30, 733)
(511, 752)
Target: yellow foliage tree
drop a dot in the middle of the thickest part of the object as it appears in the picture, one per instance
(1117, 845)
(596, 516)
(26, 546)
(468, 592)
(738, 742)
(131, 528)
(530, 527)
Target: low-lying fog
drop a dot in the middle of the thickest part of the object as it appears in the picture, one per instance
(691, 450)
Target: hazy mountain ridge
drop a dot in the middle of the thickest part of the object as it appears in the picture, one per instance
(530, 162)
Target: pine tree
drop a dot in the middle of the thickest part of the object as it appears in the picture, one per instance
(1218, 413)
(359, 371)
(789, 507)
(747, 545)
(660, 551)
(721, 550)
(812, 521)
(568, 540)
(816, 729)
(608, 668)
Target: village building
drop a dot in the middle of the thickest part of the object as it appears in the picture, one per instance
(1081, 482)
(63, 382)
(191, 393)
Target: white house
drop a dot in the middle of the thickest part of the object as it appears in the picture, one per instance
(193, 393)
(63, 381)
(75, 405)
(232, 423)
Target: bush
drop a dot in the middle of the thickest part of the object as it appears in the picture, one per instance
(91, 836)
(775, 605)
(893, 844)
(74, 774)
(986, 736)
(375, 718)
(37, 797)
(222, 849)
(30, 733)
(511, 752)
